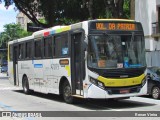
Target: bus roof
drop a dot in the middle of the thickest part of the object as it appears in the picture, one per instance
(125, 20)
(59, 28)
(21, 39)
(50, 31)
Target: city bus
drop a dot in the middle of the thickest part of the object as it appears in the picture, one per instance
(97, 59)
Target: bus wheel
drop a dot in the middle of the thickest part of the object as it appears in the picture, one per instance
(156, 92)
(67, 93)
(25, 85)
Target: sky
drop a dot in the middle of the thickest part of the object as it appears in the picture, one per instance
(7, 16)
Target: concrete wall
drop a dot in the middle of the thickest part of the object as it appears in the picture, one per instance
(145, 12)
(24, 22)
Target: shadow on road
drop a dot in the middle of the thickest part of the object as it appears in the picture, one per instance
(95, 104)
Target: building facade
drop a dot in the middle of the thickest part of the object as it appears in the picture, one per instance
(22, 19)
(148, 13)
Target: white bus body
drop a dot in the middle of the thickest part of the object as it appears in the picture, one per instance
(50, 72)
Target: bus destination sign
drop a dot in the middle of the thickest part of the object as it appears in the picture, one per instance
(114, 26)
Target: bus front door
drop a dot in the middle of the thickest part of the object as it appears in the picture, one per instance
(77, 64)
(15, 64)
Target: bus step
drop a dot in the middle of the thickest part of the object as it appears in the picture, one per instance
(78, 96)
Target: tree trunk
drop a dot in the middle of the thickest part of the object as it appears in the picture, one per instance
(132, 9)
(90, 8)
(120, 7)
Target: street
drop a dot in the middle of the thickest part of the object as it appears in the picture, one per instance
(13, 99)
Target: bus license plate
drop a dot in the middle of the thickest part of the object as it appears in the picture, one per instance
(124, 91)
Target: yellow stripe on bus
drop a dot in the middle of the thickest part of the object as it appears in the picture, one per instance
(67, 67)
(121, 82)
(63, 29)
(66, 28)
(8, 53)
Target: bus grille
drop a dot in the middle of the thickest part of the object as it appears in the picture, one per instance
(123, 73)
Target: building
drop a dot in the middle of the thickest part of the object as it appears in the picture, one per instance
(148, 13)
(22, 19)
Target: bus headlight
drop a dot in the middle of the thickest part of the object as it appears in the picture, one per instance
(143, 82)
(97, 83)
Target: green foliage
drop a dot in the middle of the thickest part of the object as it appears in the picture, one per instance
(57, 12)
(126, 8)
(42, 20)
(11, 32)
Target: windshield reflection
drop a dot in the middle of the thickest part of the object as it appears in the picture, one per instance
(116, 51)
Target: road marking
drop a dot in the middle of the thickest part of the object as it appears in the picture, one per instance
(10, 88)
(6, 107)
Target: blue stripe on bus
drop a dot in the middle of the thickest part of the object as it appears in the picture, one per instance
(38, 65)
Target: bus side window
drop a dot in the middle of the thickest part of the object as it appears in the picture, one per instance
(61, 45)
(48, 47)
(37, 50)
(21, 51)
(57, 45)
(28, 53)
(53, 46)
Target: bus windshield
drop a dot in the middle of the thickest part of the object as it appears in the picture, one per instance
(116, 51)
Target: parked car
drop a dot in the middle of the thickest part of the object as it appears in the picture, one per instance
(154, 82)
(4, 62)
(4, 69)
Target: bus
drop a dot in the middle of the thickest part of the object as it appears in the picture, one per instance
(97, 59)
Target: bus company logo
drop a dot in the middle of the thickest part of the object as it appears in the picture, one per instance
(6, 114)
(55, 66)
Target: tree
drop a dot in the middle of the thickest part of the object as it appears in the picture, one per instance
(54, 11)
(69, 11)
(11, 32)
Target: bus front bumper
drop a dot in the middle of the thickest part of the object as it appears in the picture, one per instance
(98, 93)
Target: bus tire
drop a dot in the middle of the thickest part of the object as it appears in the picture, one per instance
(67, 93)
(26, 89)
(156, 92)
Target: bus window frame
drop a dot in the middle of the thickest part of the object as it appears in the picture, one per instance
(25, 50)
(55, 46)
(34, 48)
(43, 47)
(10, 53)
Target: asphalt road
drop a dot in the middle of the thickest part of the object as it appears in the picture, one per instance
(13, 99)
